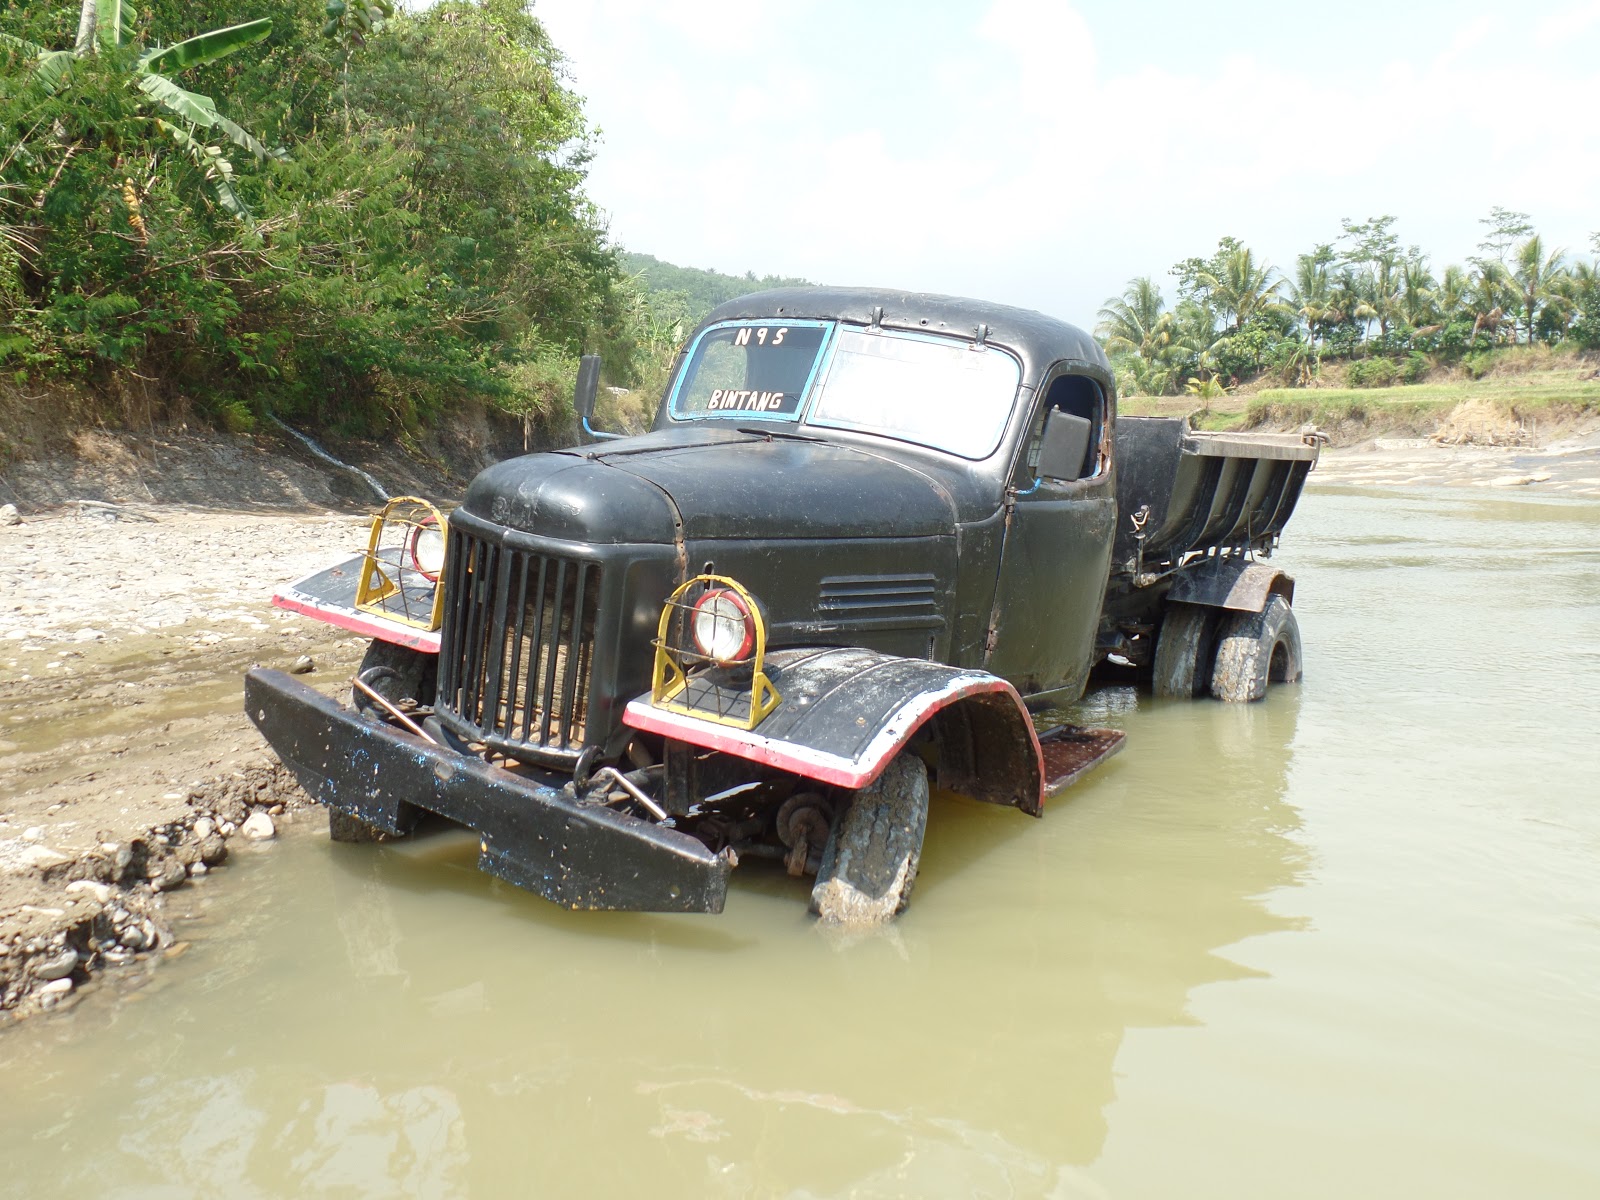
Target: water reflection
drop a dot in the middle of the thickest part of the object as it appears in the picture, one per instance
(392, 1022)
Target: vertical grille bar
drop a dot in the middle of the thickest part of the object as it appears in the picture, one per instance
(495, 646)
(517, 634)
(530, 694)
(472, 684)
(553, 654)
(449, 651)
(575, 643)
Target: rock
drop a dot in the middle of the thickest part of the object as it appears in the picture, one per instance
(1507, 481)
(259, 827)
(88, 635)
(56, 987)
(43, 858)
(34, 833)
(134, 938)
(213, 850)
(8, 515)
(198, 869)
(93, 887)
(57, 967)
(169, 874)
(204, 828)
(303, 665)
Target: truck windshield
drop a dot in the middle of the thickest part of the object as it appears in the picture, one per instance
(746, 369)
(931, 391)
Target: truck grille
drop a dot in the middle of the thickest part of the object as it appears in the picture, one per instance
(517, 647)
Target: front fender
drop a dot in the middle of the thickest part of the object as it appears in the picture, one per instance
(846, 712)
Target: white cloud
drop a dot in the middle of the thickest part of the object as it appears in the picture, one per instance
(1006, 157)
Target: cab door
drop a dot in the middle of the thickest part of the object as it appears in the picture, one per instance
(1056, 553)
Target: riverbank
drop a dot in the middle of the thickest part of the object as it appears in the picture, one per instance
(127, 624)
(130, 767)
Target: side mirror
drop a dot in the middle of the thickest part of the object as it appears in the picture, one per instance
(587, 387)
(1065, 445)
(584, 393)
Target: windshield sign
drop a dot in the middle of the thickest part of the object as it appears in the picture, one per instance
(932, 391)
(938, 392)
(750, 369)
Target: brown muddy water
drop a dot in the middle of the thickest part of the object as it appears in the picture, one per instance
(1345, 942)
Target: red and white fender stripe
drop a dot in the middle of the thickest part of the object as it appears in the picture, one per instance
(357, 622)
(815, 764)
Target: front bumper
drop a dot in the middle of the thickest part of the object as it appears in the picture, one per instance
(533, 835)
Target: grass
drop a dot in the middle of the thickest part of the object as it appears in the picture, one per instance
(1521, 385)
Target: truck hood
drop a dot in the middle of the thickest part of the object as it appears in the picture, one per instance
(724, 487)
(779, 487)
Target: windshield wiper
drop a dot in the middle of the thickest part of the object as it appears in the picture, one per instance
(777, 433)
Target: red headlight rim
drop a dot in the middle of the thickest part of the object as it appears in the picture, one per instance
(748, 645)
(426, 525)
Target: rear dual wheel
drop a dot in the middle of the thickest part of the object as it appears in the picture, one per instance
(1256, 649)
(1233, 655)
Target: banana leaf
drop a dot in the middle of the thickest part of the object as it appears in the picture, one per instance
(205, 47)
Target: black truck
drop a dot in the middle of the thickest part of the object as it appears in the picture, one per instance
(869, 536)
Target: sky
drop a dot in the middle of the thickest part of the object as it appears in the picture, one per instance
(1043, 154)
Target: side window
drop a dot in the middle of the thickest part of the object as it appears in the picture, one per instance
(1084, 406)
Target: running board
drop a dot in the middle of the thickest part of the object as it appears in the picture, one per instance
(1071, 752)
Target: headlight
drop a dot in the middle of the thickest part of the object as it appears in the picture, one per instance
(427, 548)
(724, 630)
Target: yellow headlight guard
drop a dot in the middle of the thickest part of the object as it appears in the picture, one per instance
(399, 578)
(720, 693)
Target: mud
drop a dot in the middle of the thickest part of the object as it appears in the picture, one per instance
(128, 763)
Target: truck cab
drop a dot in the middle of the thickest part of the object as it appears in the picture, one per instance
(867, 532)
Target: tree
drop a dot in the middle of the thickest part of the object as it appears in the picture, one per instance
(105, 26)
(1505, 227)
(1136, 322)
(1536, 277)
(1138, 325)
(1241, 288)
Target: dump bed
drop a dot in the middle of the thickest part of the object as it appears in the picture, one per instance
(1187, 491)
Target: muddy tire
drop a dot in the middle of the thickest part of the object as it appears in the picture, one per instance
(870, 861)
(397, 673)
(1256, 649)
(1184, 651)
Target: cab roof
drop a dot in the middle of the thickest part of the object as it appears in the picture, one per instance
(1037, 339)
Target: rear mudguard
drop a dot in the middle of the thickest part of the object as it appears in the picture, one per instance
(1232, 584)
(845, 713)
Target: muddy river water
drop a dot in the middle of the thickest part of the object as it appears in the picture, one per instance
(1344, 942)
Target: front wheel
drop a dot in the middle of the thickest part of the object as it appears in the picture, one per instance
(406, 678)
(870, 862)
(1256, 649)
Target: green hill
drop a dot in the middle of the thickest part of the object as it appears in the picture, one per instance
(687, 294)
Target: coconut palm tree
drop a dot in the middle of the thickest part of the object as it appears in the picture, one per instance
(1535, 278)
(1136, 322)
(1242, 289)
(1310, 292)
(1491, 293)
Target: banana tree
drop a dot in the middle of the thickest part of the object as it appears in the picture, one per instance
(188, 118)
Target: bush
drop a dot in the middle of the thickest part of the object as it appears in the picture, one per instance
(1372, 372)
(1415, 368)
